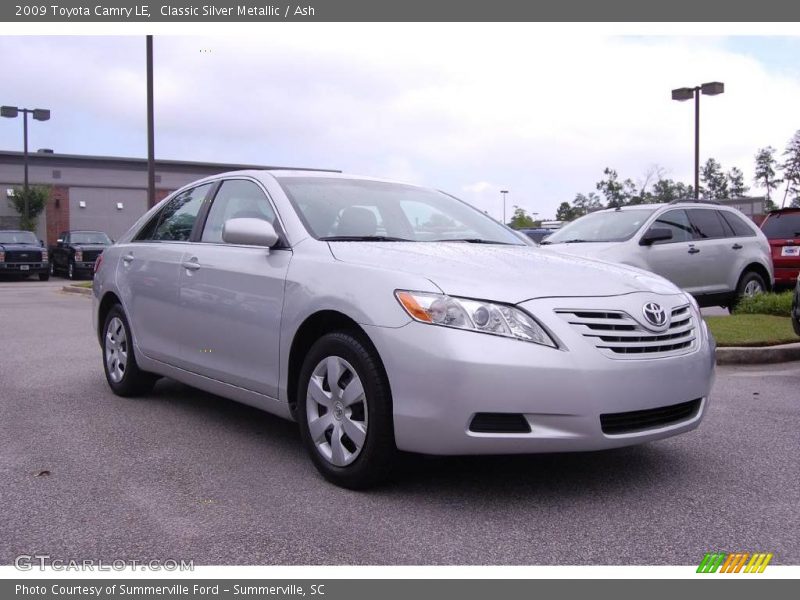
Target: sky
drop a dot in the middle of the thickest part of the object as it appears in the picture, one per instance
(467, 108)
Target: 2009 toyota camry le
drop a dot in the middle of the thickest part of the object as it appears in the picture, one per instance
(384, 317)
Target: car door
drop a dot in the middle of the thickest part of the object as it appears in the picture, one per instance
(674, 258)
(149, 275)
(743, 245)
(60, 256)
(711, 249)
(231, 296)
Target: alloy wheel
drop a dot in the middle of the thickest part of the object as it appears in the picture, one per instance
(116, 349)
(752, 288)
(336, 410)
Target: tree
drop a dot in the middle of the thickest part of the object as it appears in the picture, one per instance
(37, 197)
(791, 168)
(522, 220)
(765, 175)
(667, 190)
(617, 193)
(584, 204)
(565, 212)
(714, 180)
(736, 185)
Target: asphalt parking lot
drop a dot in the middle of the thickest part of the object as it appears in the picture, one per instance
(183, 474)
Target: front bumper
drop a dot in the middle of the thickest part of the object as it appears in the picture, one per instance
(83, 267)
(7, 268)
(441, 378)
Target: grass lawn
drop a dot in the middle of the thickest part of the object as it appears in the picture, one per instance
(752, 330)
(83, 284)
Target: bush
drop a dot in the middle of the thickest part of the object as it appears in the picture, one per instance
(779, 305)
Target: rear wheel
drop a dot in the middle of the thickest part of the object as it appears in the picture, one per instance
(119, 359)
(750, 284)
(44, 276)
(345, 411)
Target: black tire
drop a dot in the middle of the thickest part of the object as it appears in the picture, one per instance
(44, 276)
(748, 278)
(376, 456)
(134, 381)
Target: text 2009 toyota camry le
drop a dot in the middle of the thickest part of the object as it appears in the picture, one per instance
(385, 317)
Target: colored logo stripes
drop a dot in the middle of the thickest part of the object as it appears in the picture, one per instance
(734, 563)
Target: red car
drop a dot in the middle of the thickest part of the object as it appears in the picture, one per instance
(782, 228)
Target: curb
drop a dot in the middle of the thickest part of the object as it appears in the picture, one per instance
(736, 355)
(77, 290)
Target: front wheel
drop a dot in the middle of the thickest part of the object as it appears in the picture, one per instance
(119, 359)
(345, 411)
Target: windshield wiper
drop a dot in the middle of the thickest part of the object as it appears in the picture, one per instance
(363, 238)
(474, 241)
(575, 241)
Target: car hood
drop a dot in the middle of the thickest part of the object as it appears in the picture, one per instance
(503, 273)
(31, 247)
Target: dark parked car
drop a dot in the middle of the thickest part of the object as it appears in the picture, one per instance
(537, 234)
(782, 228)
(75, 252)
(21, 254)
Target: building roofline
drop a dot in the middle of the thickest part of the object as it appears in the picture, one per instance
(131, 161)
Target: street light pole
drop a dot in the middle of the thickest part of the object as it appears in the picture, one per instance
(151, 161)
(713, 88)
(39, 114)
(504, 192)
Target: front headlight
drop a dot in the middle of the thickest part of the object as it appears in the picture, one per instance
(474, 315)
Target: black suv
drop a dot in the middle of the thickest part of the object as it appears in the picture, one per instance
(75, 252)
(21, 254)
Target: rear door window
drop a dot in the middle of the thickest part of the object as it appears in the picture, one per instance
(707, 224)
(176, 220)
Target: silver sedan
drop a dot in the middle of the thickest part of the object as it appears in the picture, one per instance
(384, 317)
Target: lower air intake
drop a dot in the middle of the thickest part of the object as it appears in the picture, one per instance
(653, 418)
(499, 423)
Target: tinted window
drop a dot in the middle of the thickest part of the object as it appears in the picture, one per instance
(677, 222)
(175, 221)
(17, 237)
(737, 224)
(236, 199)
(782, 226)
(706, 223)
(90, 237)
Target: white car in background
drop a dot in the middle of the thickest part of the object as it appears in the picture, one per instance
(714, 252)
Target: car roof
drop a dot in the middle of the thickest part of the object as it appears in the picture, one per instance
(780, 211)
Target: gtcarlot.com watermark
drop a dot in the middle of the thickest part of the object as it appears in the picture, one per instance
(42, 562)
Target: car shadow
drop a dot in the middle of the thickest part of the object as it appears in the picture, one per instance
(562, 474)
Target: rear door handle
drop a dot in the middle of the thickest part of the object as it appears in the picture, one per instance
(693, 250)
(127, 258)
(737, 246)
(191, 264)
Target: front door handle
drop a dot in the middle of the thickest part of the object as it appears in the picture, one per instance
(737, 246)
(127, 258)
(693, 250)
(191, 265)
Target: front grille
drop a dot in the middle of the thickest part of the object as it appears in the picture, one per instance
(653, 418)
(618, 335)
(499, 423)
(91, 255)
(23, 256)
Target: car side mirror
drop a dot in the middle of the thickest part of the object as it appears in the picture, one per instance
(656, 234)
(249, 232)
(41, 243)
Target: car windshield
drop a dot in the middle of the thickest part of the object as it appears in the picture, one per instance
(17, 237)
(605, 226)
(782, 226)
(338, 209)
(89, 237)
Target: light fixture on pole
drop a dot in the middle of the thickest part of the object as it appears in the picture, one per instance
(39, 114)
(712, 88)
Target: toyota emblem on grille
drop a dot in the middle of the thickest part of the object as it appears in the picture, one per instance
(655, 314)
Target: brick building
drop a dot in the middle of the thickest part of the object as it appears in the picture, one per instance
(105, 193)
